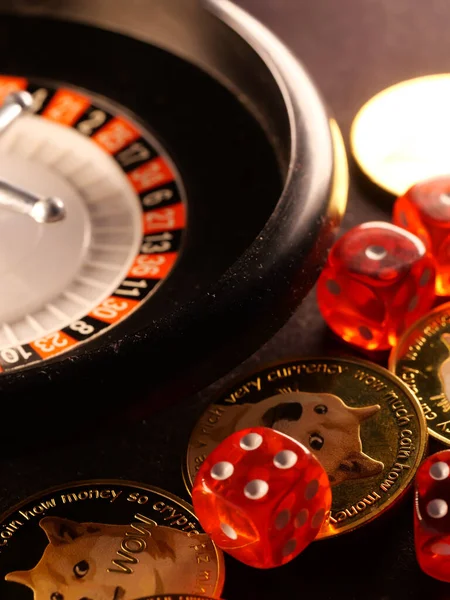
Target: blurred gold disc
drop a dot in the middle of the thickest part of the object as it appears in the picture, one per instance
(401, 136)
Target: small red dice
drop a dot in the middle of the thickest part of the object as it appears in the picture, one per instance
(378, 280)
(262, 497)
(425, 211)
(432, 516)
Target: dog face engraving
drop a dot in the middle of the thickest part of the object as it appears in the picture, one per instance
(95, 561)
(322, 422)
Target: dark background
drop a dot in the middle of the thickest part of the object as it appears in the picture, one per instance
(352, 49)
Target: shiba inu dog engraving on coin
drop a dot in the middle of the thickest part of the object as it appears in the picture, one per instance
(361, 422)
(105, 541)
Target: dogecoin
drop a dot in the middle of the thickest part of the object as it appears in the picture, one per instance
(108, 540)
(364, 425)
(422, 360)
(400, 136)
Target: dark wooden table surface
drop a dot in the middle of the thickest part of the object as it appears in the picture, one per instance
(352, 49)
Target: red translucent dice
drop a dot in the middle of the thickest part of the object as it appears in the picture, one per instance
(378, 280)
(432, 516)
(262, 497)
(425, 211)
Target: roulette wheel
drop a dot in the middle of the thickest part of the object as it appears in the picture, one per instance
(337, 41)
(201, 181)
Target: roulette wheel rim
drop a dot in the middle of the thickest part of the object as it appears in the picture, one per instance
(200, 340)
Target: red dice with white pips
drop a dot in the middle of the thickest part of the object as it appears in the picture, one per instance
(262, 497)
(432, 516)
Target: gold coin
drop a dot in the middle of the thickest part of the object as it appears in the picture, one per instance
(108, 540)
(400, 136)
(364, 425)
(422, 360)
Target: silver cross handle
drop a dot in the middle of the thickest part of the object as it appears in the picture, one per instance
(39, 208)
